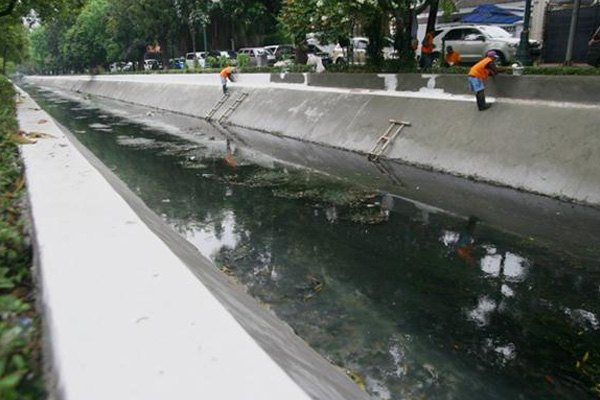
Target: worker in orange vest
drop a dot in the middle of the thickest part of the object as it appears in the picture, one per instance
(427, 50)
(227, 73)
(479, 74)
(453, 57)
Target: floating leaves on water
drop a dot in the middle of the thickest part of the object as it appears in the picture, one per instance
(586, 356)
(231, 161)
(359, 380)
(226, 270)
(368, 216)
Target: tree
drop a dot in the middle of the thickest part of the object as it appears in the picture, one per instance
(8, 8)
(192, 13)
(299, 18)
(40, 54)
(15, 44)
(86, 41)
(155, 22)
(20, 8)
(404, 17)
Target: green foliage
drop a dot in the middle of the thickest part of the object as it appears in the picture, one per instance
(212, 62)
(43, 8)
(298, 18)
(14, 45)
(243, 60)
(448, 7)
(224, 62)
(86, 41)
(20, 355)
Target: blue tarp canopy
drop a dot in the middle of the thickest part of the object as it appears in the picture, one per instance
(491, 14)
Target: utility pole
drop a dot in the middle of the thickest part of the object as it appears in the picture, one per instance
(572, 31)
(523, 52)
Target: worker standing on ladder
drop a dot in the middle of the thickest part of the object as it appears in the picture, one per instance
(227, 73)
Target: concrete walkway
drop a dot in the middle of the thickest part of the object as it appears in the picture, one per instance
(125, 316)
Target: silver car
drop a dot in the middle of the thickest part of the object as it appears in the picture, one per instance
(474, 41)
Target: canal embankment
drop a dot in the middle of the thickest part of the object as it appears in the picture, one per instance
(539, 137)
(133, 311)
(423, 303)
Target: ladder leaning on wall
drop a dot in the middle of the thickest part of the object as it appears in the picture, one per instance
(386, 139)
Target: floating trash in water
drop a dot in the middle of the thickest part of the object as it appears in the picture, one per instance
(97, 125)
(138, 142)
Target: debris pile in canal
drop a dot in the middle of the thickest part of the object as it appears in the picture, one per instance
(351, 202)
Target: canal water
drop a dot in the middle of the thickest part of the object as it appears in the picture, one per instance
(411, 301)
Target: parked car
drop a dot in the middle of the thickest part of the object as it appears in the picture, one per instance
(359, 49)
(320, 51)
(282, 51)
(177, 63)
(121, 66)
(259, 56)
(199, 58)
(152, 65)
(474, 41)
(593, 55)
(230, 55)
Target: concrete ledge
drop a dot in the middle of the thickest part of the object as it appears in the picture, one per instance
(289, 78)
(127, 317)
(347, 81)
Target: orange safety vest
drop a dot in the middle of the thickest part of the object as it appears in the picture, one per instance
(226, 72)
(480, 70)
(453, 58)
(427, 48)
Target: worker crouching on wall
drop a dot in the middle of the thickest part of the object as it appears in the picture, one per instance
(478, 74)
(227, 73)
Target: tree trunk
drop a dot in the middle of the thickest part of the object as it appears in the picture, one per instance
(4, 54)
(432, 18)
(163, 43)
(193, 34)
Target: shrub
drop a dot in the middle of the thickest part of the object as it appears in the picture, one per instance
(243, 60)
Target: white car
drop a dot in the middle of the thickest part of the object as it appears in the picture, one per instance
(474, 41)
(199, 58)
(259, 56)
(360, 44)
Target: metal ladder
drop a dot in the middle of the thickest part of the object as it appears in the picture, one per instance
(216, 107)
(386, 139)
(232, 107)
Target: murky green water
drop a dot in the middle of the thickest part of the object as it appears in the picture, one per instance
(420, 306)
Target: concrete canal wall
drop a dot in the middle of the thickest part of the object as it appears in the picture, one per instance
(540, 136)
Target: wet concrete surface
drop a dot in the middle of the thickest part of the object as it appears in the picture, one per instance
(465, 291)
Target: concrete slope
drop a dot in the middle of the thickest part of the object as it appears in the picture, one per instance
(542, 146)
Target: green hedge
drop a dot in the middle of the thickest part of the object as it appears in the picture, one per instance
(20, 349)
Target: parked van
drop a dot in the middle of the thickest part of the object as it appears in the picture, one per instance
(259, 56)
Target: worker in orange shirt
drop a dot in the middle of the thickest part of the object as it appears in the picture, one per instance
(479, 74)
(453, 57)
(427, 50)
(227, 73)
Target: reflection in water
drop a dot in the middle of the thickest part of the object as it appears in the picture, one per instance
(420, 306)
